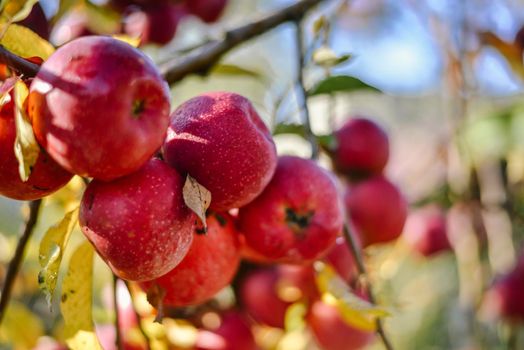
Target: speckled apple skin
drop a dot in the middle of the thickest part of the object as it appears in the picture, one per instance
(209, 266)
(303, 187)
(332, 332)
(377, 210)
(139, 224)
(46, 176)
(362, 147)
(81, 104)
(220, 140)
(208, 10)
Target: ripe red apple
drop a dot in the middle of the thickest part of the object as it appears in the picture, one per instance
(139, 224)
(156, 23)
(426, 231)
(342, 260)
(297, 218)
(332, 332)
(220, 140)
(504, 299)
(99, 107)
(362, 148)
(377, 210)
(209, 266)
(234, 333)
(72, 25)
(46, 176)
(267, 292)
(208, 10)
(37, 21)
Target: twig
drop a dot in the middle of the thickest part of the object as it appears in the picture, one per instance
(144, 334)
(118, 333)
(306, 119)
(16, 261)
(203, 58)
(353, 247)
(17, 63)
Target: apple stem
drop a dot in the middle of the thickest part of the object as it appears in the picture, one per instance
(138, 317)
(118, 334)
(16, 261)
(353, 247)
(17, 63)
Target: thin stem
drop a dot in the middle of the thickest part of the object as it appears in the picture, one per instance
(16, 261)
(144, 334)
(306, 119)
(17, 63)
(118, 333)
(353, 247)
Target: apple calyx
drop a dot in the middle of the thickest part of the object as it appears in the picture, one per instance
(139, 106)
(298, 221)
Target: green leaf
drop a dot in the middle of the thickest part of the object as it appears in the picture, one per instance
(65, 6)
(340, 83)
(197, 198)
(101, 19)
(326, 57)
(327, 142)
(24, 42)
(230, 69)
(16, 10)
(354, 310)
(294, 129)
(26, 148)
(52, 248)
(76, 301)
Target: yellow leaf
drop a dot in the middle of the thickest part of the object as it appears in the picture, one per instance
(51, 251)
(26, 148)
(127, 39)
(101, 19)
(7, 86)
(18, 10)
(295, 317)
(76, 301)
(197, 198)
(353, 309)
(24, 42)
(21, 327)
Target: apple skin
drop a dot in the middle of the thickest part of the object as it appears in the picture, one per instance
(220, 140)
(341, 259)
(37, 21)
(332, 332)
(139, 224)
(99, 107)
(46, 176)
(209, 266)
(208, 11)
(362, 148)
(377, 210)
(156, 23)
(234, 333)
(426, 231)
(298, 217)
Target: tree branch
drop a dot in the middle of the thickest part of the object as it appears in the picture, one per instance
(16, 261)
(353, 247)
(118, 331)
(203, 58)
(17, 63)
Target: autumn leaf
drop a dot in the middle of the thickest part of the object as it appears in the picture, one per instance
(52, 248)
(26, 148)
(197, 198)
(24, 42)
(76, 300)
(21, 327)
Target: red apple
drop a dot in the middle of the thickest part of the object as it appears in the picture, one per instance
(377, 210)
(208, 10)
(37, 21)
(332, 332)
(342, 260)
(209, 266)
(46, 176)
(156, 23)
(72, 25)
(298, 217)
(99, 107)
(234, 333)
(426, 231)
(139, 224)
(362, 148)
(220, 140)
